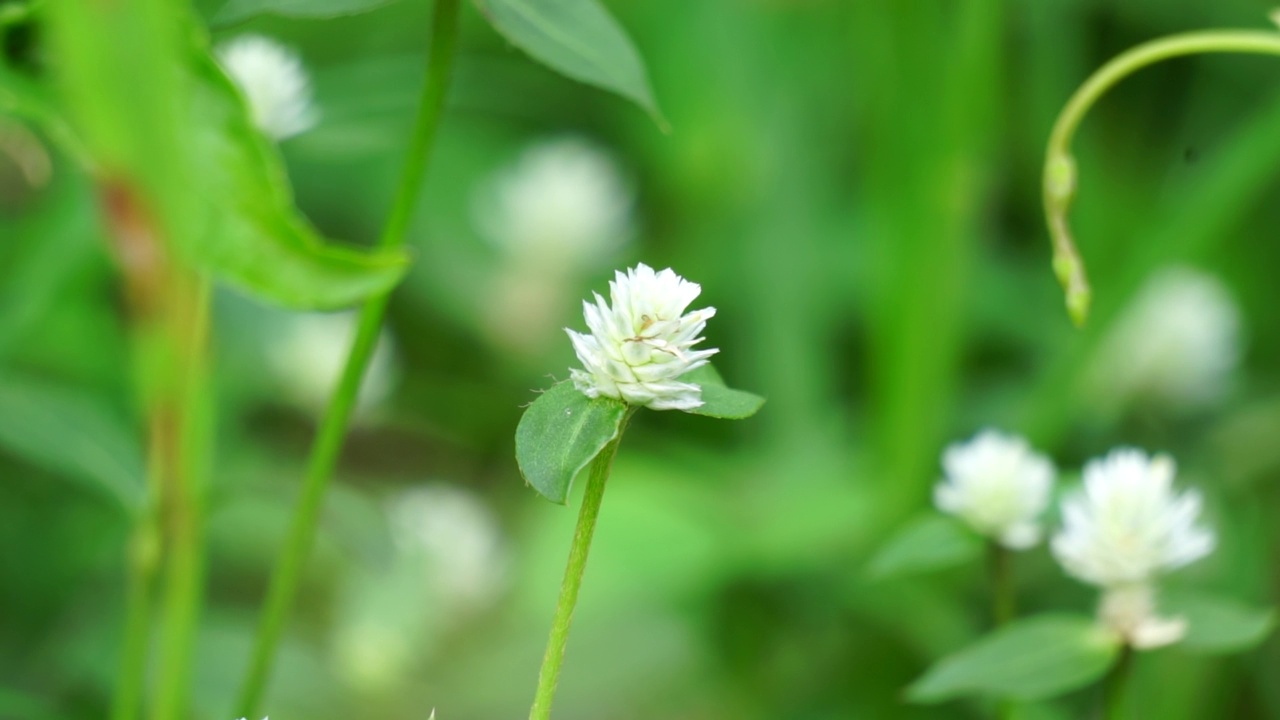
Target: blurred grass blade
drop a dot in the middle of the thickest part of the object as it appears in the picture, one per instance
(579, 39)
(1030, 659)
(253, 237)
(927, 543)
(1218, 625)
(239, 10)
(72, 434)
(560, 433)
(719, 401)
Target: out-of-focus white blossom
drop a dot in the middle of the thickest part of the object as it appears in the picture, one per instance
(642, 341)
(309, 352)
(1177, 344)
(998, 485)
(449, 561)
(1124, 530)
(1130, 612)
(564, 202)
(274, 83)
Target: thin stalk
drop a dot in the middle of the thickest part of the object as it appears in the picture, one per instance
(182, 498)
(1059, 182)
(143, 560)
(333, 427)
(1000, 571)
(553, 660)
(1116, 684)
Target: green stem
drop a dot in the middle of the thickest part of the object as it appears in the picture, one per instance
(1059, 182)
(143, 559)
(552, 661)
(333, 427)
(1116, 683)
(1000, 570)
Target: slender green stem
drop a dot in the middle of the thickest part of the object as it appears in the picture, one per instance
(143, 560)
(553, 660)
(1060, 169)
(333, 427)
(1000, 570)
(1116, 683)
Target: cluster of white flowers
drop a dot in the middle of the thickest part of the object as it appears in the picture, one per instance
(998, 485)
(1126, 528)
(641, 341)
(1176, 345)
(563, 203)
(274, 83)
(308, 356)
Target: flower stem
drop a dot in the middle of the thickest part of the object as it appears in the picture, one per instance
(328, 444)
(1059, 182)
(143, 559)
(552, 661)
(1116, 684)
(1000, 570)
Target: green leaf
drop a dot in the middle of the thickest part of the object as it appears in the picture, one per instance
(579, 39)
(719, 401)
(1030, 659)
(253, 237)
(239, 10)
(560, 433)
(1217, 625)
(930, 542)
(68, 432)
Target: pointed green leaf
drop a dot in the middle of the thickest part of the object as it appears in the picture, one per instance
(560, 433)
(719, 401)
(239, 10)
(579, 39)
(72, 434)
(930, 542)
(1218, 625)
(1030, 659)
(253, 236)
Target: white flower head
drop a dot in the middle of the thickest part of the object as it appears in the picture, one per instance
(274, 83)
(998, 485)
(564, 202)
(1128, 526)
(641, 342)
(1177, 344)
(457, 540)
(1130, 612)
(309, 353)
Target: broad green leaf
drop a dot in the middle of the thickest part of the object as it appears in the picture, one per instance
(1218, 625)
(579, 39)
(930, 542)
(719, 401)
(238, 10)
(24, 98)
(253, 236)
(560, 433)
(68, 432)
(1030, 659)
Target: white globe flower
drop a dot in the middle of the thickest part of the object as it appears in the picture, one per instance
(1177, 344)
(1130, 612)
(998, 485)
(642, 342)
(1129, 526)
(564, 202)
(274, 83)
(308, 355)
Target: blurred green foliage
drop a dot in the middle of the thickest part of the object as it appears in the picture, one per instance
(856, 187)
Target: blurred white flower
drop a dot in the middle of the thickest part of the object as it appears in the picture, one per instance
(998, 485)
(1177, 344)
(641, 344)
(274, 83)
(308, 355)
(456, 538)
(450, 560)
(1125, 529)
(563, 202)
